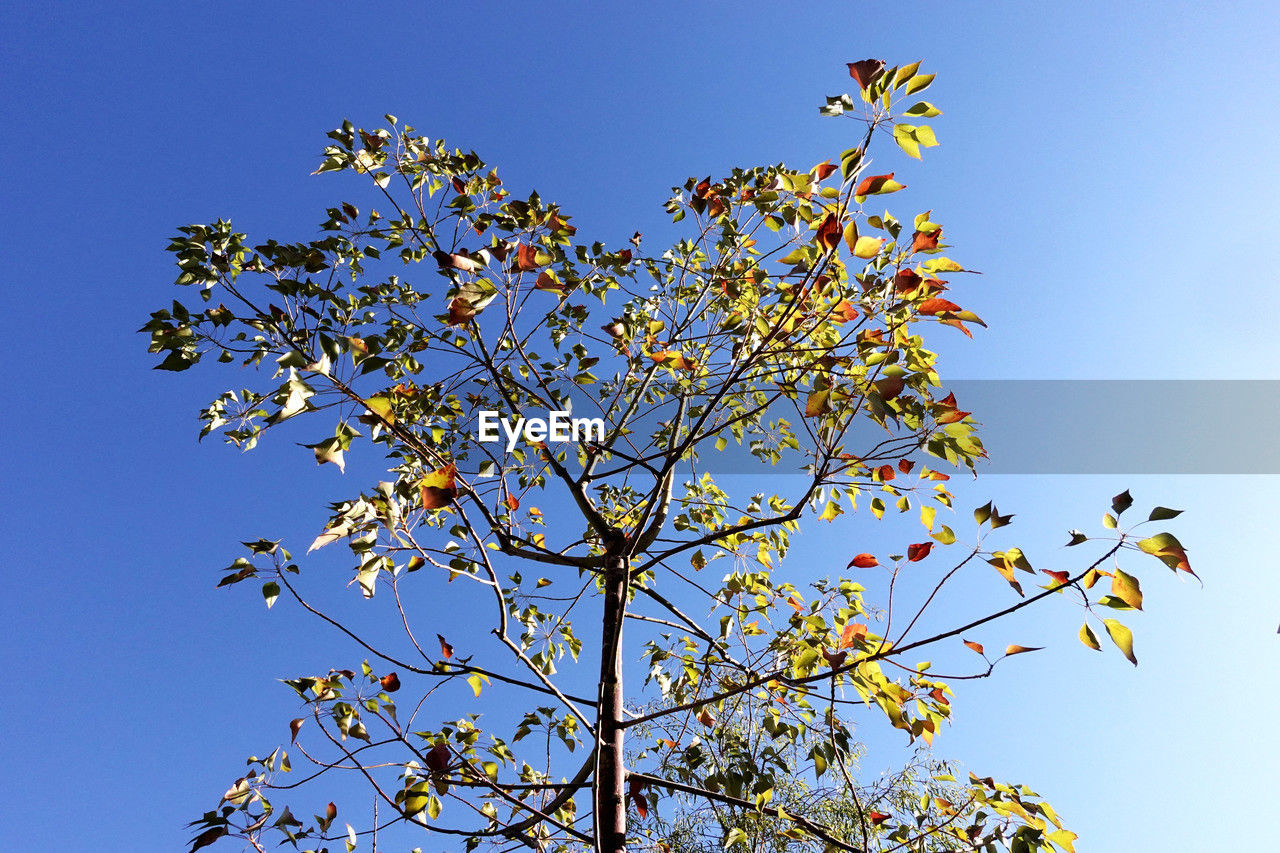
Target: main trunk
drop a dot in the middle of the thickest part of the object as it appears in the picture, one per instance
(610, 781)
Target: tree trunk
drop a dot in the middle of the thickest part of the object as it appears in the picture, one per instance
(610, 781)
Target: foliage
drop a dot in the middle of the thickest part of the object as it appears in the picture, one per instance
(788, 316)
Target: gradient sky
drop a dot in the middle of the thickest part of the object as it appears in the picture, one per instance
(1109, 167)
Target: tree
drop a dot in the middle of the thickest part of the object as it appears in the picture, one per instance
(788, 317)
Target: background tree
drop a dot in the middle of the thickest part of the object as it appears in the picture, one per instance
(785, 319)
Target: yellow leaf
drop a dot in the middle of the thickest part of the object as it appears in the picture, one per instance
(868, 247)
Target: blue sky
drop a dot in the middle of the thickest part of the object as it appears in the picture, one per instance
(1108, 168)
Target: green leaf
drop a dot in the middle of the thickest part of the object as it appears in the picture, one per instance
(1122, 637)
(919, 82)
(270, 592)
(924, 109)
(1163, 513)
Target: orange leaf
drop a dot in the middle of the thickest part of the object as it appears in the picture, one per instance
(977, 647)
(1017, 650)
(937, 305)
(924, 241)
(866, 71)
(513, 503)
(877, 818)
(706, 719)
(905, 465)
(844, 312)
(863, 561)
(918, 551)
(1059, 578)
(390, 682)
(852, 634)
(885, 473)
(445, 648)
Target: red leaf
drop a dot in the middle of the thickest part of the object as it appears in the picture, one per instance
(829, 232)
(1059, 578)
(904, 465)
(460, 311)
(905, 281)
(877, 818)
(390, 682)
(924, 241)
(526, 258)
(918, 551)
(635, 788)
(871, 185)
(863, 561)
(866, 71)
(823, 170)
(546, 282)
(438, 758)
(977, 647)
(458, 186)
(889, 387)
(513, 503)
(445, 648)
(330, 812)
(885, 473)
(834, 659)
(706, 719)
(294, 725)
(439, 488)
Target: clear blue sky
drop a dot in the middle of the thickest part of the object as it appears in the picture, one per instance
(1110, 167)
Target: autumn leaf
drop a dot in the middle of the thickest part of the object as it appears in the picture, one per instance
(460, 311)
(635, 787)
(936, 305)
(829, 232)
(706, 719)
(918, 551)
(390, 682)
(834, 659)
(877, 185)
(439, 488)
(867, 247)
(1058, 578)
(294, 726)
(863, 561)
(977, 647)
(852, 634)
(877, 818)
(925, 241)
(889, 387)
(1017, 650)
(823, 170)
(866, 71)
(1125, 587)
(438, 758)
(526, 258)
(445, 648)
